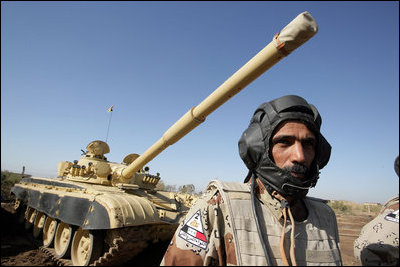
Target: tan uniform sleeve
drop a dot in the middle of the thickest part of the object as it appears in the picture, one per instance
(198, 239)
(378, 243)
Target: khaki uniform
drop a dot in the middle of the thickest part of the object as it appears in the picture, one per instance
(220, 230)
(378, 243)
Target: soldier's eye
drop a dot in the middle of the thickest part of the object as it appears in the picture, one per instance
(309, 143)
(282, 140)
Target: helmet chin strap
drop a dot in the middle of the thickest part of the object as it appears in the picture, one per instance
(286, 189)
(295, 186)
(249, 174)
(281, 180)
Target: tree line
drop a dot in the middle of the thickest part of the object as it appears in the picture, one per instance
(187, 188)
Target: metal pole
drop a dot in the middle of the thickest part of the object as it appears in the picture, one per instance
(109, 122)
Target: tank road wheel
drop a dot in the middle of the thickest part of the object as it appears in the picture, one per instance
(86, 247)
(30, 216)
(63, 240)
(49, 232)
(38, 224)
(17, 204)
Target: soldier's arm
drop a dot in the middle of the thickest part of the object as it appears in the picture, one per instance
(197, 240)
(378, 243)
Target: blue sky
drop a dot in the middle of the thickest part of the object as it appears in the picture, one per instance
(63, 64)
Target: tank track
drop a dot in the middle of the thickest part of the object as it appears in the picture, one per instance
(126, 244)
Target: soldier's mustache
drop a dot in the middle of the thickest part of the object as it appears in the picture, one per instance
(297, 168)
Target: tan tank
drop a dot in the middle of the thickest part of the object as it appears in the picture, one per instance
(98, 212)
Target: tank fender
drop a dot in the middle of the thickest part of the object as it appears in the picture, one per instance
(20, 193)
(70, 209)
(101, 211)
(89, 209)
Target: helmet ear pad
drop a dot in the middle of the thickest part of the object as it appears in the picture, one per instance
(251, 146)
(324, 151)
(324, 148)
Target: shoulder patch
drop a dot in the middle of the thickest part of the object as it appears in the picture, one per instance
(393, 216)
(193, 231)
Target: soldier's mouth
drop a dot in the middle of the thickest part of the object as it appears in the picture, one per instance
(297, 175)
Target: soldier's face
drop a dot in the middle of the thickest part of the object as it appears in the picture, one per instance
(293, 148)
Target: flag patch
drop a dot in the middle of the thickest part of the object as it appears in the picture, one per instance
(193, 232)
(393, 216)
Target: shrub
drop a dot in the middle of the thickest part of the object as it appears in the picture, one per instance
(340, 207)
(8, 179)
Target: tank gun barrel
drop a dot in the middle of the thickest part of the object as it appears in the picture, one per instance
(297, 32)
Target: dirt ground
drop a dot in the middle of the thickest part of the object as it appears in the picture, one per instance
(18, 246)
(349, 229)
(18, 249)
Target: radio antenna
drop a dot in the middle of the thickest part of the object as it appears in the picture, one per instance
(110, 110)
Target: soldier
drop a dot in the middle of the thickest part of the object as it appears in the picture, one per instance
(268, 220)
(378, 243)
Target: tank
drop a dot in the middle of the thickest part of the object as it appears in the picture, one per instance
(98, 212)
(91, 215)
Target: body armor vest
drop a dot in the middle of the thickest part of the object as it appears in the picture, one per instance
(316, 238)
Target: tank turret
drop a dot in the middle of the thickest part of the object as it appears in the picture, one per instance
(94, 168)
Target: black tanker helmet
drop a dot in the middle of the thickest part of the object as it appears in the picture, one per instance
(254, 145)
